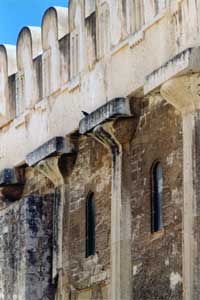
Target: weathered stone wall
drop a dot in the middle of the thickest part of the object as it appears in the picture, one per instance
(157, 257)
(26, 249)
(91, 173)
(61, 268)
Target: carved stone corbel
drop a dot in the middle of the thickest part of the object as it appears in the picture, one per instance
(50, 169)
(183, 92)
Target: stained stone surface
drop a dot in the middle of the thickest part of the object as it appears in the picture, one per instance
(9, 177)
(26, 249)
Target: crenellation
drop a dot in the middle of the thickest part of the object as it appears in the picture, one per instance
(72, 38)
(7, 69)
(77, 38)
(90, 7)
(54, 28)
(10, 52)
(28, 48)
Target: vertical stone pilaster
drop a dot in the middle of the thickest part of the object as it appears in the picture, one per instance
(183, 93)
(189, 156)
(120, 220)
(195, 205)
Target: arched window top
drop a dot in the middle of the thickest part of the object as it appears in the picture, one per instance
(90, 225)
(157, 195)
(158, 174)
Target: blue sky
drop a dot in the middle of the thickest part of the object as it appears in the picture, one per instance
(14, 14)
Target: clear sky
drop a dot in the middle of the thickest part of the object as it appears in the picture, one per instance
(14, 14)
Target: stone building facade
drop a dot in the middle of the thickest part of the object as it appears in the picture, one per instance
(99, 153)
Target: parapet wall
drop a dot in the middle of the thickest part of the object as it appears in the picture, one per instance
(82, 57)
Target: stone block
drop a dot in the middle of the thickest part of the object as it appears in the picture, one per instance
(26, 230)
(116, 108)
(55, 146)
(101, 276)
(10, 177)
(187, 61)
(85, 295)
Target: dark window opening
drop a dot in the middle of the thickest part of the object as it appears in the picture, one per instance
(157, 194)
(90, 225)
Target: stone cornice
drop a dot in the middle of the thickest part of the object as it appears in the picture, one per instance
(187, 62)
(116, 108)
(55, 146)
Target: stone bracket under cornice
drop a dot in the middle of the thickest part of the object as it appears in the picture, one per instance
(186, 62)
(53, 147)
(114, 109)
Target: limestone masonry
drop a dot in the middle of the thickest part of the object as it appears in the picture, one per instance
(100, 153)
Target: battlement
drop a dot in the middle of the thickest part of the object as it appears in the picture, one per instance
(81, 57)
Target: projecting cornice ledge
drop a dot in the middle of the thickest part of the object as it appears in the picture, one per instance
(114, 109)
(185, 63)
(53, 147)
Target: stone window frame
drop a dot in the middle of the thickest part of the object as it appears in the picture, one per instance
(157, 197)
(90, 225)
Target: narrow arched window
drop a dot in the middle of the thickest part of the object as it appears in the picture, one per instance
(157, 195)
(90, 225)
